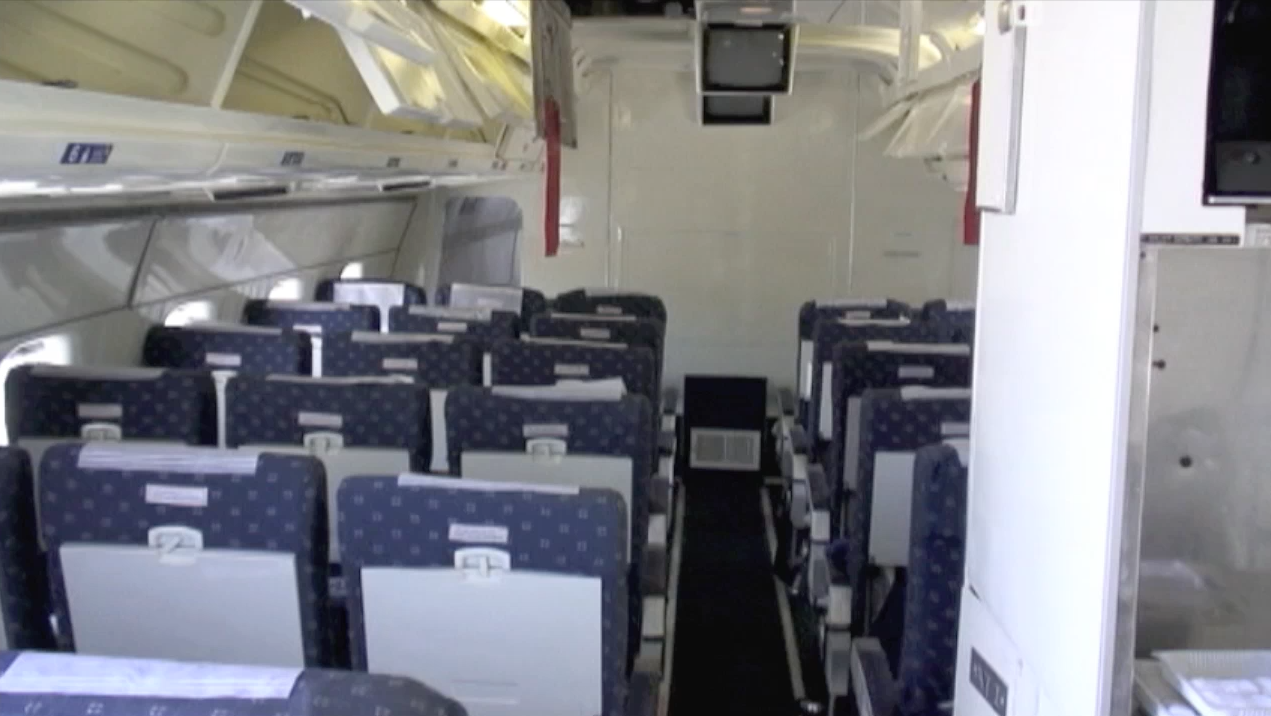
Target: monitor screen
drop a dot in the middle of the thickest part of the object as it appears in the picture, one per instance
(745, 59)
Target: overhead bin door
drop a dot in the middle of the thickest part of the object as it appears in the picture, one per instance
(399, 58)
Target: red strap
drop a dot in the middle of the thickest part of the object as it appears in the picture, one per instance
(551, 206)
(971, 215)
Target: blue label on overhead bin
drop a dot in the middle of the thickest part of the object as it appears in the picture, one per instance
(80, 153)
(293, 159)
(986, 681)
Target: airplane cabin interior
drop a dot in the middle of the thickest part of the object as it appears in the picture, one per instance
(634, 358)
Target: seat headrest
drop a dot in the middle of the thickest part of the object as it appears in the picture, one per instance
(454, 313)
(353, 380)
(603, 389)
(96, 373)
(592, 317)
(940, 349)
(391, 338)
(541, 340)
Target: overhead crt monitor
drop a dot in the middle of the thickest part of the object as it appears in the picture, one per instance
(745, 59)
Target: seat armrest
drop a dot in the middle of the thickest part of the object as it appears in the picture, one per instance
(872, 681)
(819, 498)
(653, 570)
(799, 440)
(670, 401)
(642, 694)
(660, 495)
(787, 401)
(666, 443)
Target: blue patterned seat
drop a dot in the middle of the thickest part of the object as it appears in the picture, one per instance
(927, 658)
(958, 316)
(548, 361)
(542, 575)
(194, 554)
(73, 685)
(829, 333)
(437, 362)
(812, 312)
(381, 293)
(23, 579)
(356, 426)
(313, 317)
(247, 349)
(481, 324)
(880, 364)
(524, 301)
(51, 404)
(629, 330)
(894, 423)
(611, 302)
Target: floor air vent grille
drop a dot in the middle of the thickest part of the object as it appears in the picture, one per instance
(713, 449)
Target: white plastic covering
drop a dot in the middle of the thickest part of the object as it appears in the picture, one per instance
(933, 125)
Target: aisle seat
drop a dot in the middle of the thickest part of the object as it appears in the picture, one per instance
(927, 656)
(518, 591)
(354, 426)
(184, 553)
(814, 311)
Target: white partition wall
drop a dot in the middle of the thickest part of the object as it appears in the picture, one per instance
(1052, 372)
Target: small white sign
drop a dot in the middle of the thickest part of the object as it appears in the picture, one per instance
(401, 364)
(452, 327)
(223, 360)
(597, 334)
(573, 370)
(608, 310)
(308, 419)
(176, 496)
(545, 431)
(478, 534)
(100, 411)
(924, 372)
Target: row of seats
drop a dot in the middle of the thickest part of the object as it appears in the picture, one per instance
(297, 539)
(878, 382)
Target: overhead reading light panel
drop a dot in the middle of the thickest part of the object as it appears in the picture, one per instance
(400, 59)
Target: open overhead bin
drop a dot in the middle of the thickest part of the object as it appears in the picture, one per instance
(121, 95)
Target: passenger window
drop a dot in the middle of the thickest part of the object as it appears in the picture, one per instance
(49, 349)
(353, 270)
(190, 312)
(288, 289)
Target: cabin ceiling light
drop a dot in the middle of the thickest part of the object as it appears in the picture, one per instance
(505, 12)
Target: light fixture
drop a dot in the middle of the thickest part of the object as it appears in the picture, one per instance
(977, 26)
(505, 12)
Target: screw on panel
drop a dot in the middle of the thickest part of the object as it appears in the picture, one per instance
(1159, 364)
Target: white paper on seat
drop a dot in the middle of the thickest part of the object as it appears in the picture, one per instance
(595, 471)
(215, 605)
(891, 508)
(805, 369)
(499, 298)
(383, 296)
(851, 443)
(36, 672)
(568, 389)
(516, 643)
(437, 416)
(341, 463)
(826, 424)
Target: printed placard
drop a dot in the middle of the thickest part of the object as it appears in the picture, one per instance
(308, 419)
(401, 364)
(573, 370)
(176, 495)
(955, 429)
(605, 309)
(452, 327)
(545, 431)
(223, 360)
(99, 411)
(478, 534)
(924, 372)
(597, 334)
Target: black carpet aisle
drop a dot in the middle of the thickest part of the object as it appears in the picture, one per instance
(730, 655)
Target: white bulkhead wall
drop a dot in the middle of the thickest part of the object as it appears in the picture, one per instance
(736, 226)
